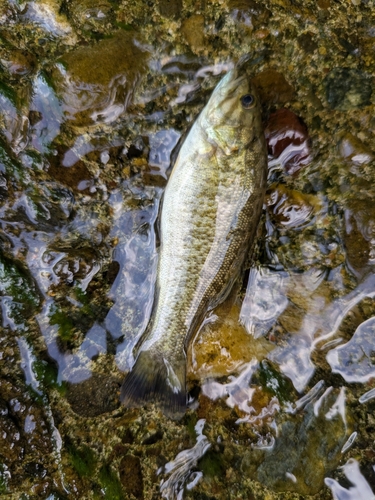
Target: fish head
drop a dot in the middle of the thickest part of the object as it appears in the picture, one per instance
(232, 117)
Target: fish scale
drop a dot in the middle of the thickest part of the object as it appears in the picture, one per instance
(210, 212)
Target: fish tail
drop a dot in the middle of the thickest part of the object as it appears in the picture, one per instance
(153, 378)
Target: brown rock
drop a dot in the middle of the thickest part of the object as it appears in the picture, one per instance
(193, 31)
(286, 130)
(307, 42)
(97, 82)
(131, 476)
(70, 176)
(290, 207)
(273, 87)
(18, 63)
(170, 8)
(249, 12)
(94, 396)
(359, 237)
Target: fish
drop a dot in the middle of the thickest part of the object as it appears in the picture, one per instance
(209, 216)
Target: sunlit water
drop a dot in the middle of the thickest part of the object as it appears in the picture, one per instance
(284, 370)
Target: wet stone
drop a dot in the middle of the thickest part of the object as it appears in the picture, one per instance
(359, 236)
(18, 63)
(97, 82)
(288, 139)
(94, 396)
(307, 447)
(73, 176)
(347, 89)
(222, 347)
(290, 208)
(131, 478)
(355, 359)
(24, 436)
(170, 8)
(307, 43)
(353, 149)
(193, 31)
(35, 117)
(90, 14)
(273, 88)
(249, 13)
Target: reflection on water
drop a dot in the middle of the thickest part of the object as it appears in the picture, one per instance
(354, 360)
(360, 489)
(94, 98)
(180, 469)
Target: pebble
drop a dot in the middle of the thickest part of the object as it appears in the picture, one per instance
(288, 140)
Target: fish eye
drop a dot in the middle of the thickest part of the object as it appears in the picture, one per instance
(247, 101)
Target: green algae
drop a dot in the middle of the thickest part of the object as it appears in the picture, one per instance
(46, 373)
(66, 330)
(275, 383)
(83, 460)
(110, 484)
(16, 283)
(212, 465)
(12, 166)
(3, 480)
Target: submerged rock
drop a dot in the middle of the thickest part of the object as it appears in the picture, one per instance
(288, 140)
(354, 150)
(26, 433)
(97, 83)
(18, 62)
(307, 42)
(308, 445)
(273, 88)
(224, 346)
(170, 8)
(347, 88)
(193, 31)
(291, 208)
(90, 15)
(359, 236)
(94, 396)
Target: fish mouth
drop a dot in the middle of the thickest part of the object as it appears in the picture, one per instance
(235, 81)
(243, 65)
(239, 73)
(236, 77)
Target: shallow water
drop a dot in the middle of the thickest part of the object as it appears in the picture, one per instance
(94, 99)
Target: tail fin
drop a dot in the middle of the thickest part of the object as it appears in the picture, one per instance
(154, 379)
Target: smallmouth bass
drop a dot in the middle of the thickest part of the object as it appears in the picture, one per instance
(209, 216)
